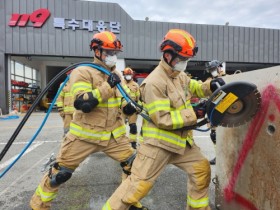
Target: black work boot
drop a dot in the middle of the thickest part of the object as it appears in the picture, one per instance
(213, 161)
(134, 145)
(138, 208)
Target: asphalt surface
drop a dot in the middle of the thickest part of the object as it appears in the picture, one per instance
(92, 183)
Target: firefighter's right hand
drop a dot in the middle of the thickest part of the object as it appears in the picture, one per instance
(200, 110)
(216, 83)
(113, 80)
(86, 102)
(61, 112)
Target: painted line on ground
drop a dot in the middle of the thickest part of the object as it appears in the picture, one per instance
(30, 127)
(201, 136)
(14, 183)
(25, 142)
(8, 162)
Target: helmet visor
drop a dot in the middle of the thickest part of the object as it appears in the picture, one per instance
(111, 52)
(181, 58)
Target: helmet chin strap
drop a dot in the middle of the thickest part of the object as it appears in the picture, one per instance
(100, 57)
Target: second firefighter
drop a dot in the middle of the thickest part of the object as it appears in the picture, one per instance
(135, 95)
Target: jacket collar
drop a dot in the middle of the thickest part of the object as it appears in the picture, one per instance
(128, 82)
(168, 69)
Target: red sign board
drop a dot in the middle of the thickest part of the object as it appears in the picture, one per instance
(38, 18)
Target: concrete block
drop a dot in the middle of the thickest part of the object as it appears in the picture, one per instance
(248, 160)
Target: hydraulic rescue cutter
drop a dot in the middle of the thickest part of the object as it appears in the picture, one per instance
(233, 104)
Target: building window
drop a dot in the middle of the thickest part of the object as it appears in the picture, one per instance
(19, 70)
(25, 86)
(24, 73)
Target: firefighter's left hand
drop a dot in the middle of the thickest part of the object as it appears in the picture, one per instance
(200, 110)
(129, 109)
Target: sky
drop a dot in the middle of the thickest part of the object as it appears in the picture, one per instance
(248, 13)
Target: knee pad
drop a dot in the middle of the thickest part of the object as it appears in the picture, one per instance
(202, 174)
(137, 192)
(62, 176)
(133, 128)
(126, 165)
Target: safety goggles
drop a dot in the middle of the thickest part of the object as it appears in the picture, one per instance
(180, 58)
(110, 52)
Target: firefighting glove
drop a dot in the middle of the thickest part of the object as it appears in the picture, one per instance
(213, 136)
(86, 102)
(200, 110)
(216, 83)
(129, 109)
(113, 80)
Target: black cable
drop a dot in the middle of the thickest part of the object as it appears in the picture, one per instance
(31, 109)
(44, 91)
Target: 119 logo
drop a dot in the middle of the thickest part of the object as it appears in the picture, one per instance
(38, 18)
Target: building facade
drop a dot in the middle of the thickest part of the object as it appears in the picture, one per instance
(45, 36)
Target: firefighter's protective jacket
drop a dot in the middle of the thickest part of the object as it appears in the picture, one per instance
(104, 120)
(134, 89)
(65, 100)
(166, 96)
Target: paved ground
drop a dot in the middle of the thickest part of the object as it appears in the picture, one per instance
(92, 183)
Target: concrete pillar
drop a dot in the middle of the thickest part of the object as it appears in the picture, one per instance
(5, 92)
(248, 161)
(120, 65)
(3, 62)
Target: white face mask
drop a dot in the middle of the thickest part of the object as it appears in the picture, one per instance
(214, 73)
(111, 60)
(180, 66)
(128, 77)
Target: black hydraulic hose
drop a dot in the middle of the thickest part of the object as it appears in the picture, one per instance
(36, 102)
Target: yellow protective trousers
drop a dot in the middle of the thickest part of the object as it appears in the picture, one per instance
(148, 165)
(73, 151)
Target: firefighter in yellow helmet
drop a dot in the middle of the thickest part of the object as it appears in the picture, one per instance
(166, 93)
(135, 95)
(65, 105)
(97, 124)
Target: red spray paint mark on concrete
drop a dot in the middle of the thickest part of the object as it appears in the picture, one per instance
(269, 95)
(271, 117)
